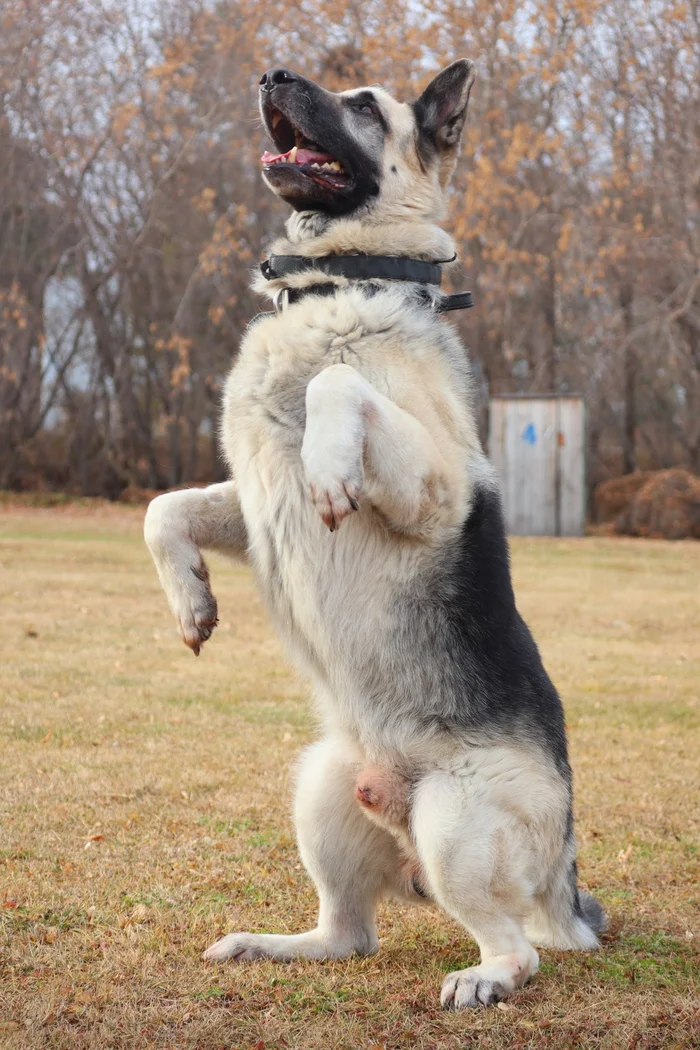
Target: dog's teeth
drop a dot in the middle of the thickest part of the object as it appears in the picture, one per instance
(317, 166)
(292, 155)
(335, 166)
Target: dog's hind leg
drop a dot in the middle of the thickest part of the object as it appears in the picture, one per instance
(352, 862)
(563, 916)
(470, 852)
(177, 526)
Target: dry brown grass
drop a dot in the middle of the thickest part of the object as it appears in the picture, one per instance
(146, 809)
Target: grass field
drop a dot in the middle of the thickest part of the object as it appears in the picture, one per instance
(146, 796)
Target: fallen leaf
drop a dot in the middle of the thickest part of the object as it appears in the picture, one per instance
(51, 935)
(10, 904)
(45, 739)
(624, 855)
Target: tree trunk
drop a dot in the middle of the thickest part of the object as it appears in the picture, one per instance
(550, 317)
(629, 450)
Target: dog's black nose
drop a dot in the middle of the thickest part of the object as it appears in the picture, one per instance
(274, 77)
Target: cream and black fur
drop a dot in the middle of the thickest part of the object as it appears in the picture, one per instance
(363, 501)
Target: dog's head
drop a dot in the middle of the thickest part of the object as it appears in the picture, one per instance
(361, 151)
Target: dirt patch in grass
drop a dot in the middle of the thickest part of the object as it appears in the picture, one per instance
(146, 794)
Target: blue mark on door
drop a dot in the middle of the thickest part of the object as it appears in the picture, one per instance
(529, 434)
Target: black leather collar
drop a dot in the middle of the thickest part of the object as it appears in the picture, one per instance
(355, 267)
(363, 268)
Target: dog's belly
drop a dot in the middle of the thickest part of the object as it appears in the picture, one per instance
(330, 594)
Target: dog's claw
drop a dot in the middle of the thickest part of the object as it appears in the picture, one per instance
(334, 503)
(197, 626)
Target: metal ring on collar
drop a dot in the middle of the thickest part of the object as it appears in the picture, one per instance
(280, 300)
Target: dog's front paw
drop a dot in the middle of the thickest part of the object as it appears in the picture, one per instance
(333, 445)
(334, 499)
(196, 609)
(181, 570)
(335, 480)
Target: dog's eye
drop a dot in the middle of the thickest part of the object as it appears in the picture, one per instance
(364, 107)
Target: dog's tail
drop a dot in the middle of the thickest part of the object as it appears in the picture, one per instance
(591, 912)
(564, 916)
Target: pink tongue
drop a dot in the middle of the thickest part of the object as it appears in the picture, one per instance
(307, 156)
(303, 156)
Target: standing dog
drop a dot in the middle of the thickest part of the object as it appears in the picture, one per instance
(372, 520)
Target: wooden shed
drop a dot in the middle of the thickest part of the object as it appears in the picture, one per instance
(537, 445)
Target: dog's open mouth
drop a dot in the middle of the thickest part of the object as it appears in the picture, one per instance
(297, 151)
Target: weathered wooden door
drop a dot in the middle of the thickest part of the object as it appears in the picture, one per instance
(537, 446)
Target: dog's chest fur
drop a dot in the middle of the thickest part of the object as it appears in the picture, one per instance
(318, 584)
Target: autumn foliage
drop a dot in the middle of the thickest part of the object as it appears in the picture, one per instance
(132, 211)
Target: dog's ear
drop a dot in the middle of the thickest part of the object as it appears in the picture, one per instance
(440, 114)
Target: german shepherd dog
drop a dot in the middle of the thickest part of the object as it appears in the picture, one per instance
(371, 518)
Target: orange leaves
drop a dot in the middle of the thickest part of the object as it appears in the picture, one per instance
(180, 347)
(228, 245)
(180, 368)
(564, 236)
(173, 71)
(204, 200)
(678, 12)
(179, 374)
(14, 322)
(122, 118)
